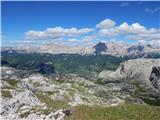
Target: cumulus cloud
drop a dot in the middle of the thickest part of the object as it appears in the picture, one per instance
(106, 28)
(135, 28)
(35, 34)
(57, 32)
(109, 32)
(133, 31)
(107, 23)
(152, 11)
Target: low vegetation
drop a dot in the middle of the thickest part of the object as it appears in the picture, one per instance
(12, 82)
(122, 112)
(145, 94)
(6, 93)
(51, 104)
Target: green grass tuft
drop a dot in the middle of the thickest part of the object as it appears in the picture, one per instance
(6, 94)
(122, 112)
(53, 104)
(12, 82)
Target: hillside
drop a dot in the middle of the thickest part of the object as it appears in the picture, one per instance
(133, 87)
(82, 65)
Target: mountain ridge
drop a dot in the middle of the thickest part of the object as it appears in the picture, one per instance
(111, 48)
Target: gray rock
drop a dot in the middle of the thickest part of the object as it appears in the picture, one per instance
(26, 98)
(155, 77)
(132, 70)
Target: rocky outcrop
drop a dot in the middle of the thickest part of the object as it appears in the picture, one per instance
(155, 77)
(140, 77)
(58, 115)
(26, 98)
(29, 95)
(138, 69)
(131, 70)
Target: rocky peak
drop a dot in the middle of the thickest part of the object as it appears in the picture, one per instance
(138, 48)
(100, 47)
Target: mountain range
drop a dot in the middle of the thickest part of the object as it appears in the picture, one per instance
(110, 48)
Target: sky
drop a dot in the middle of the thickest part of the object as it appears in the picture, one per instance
(79, 23)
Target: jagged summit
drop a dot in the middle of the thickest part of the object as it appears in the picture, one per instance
(138, 48)
(100, 47)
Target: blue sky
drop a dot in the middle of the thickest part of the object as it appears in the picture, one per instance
(20, 18)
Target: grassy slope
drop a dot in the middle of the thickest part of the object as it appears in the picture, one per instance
(62, 63)
(122, 112)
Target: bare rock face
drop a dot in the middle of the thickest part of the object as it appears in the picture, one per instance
(26, 98)
(140, 77)
(139, 69)
(155, 77)
(59, 48)
(134, 51)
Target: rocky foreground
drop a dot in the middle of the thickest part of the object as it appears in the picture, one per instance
(31, 96)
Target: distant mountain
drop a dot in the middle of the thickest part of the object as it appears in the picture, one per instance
(138, 48)
(111, 48)
(100, 47)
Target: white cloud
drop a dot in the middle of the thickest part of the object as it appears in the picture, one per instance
(124, 26)
(134, 28)
(107, 23)
(109, 32)
(134, 31)
(105, 28)
(88, 38)
(73, 40)
(152, 11)
(147, 37)
(35, 34)
(57, 32)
